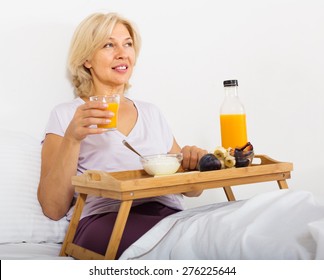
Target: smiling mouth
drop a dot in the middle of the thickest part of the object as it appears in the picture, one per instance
(120, 67)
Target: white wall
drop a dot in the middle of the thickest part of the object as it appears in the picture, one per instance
(274, 48)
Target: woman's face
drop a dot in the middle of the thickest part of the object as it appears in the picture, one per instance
(111, 66)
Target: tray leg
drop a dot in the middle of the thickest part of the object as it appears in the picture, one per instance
(229, 193)
(282, 184)
(73, 223)
(118, 230)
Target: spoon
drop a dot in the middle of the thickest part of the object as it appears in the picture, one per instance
(131, 148)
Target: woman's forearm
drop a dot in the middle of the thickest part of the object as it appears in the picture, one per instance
(59, 164)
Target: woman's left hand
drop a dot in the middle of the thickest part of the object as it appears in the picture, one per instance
(191, 157)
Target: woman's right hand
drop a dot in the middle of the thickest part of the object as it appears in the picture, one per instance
(60, 158)
(88, 114)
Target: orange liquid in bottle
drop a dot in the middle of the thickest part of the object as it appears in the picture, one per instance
(233, 130)
(113, 107)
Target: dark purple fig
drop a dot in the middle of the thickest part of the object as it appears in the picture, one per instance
(249, 147)
(209, 162)
(248, 153)
(246, 147)
(243, 155)
(238, 153)
(242, 162)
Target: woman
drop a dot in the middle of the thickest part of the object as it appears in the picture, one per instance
(102, 56)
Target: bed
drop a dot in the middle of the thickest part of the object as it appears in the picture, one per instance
(281, 224)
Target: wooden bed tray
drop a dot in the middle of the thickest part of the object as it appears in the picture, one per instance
(129, 185)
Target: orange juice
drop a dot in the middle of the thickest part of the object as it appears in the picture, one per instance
(233, 130)
(113, 107)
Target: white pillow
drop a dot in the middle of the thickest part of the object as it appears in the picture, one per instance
(21, 217)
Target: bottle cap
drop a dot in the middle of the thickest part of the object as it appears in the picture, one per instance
(230, 83)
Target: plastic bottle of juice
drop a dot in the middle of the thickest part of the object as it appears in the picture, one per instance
(232, 117)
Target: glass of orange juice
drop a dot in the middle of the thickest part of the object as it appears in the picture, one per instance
(113, 106)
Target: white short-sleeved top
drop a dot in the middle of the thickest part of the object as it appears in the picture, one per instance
(150, 135)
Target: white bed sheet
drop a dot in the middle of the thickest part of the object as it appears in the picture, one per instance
(31, 251)
(283, 224)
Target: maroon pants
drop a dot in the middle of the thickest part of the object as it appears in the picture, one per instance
(94, 231)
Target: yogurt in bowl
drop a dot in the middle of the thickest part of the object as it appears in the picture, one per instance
(162, 164)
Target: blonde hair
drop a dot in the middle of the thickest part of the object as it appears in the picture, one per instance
(90, 36)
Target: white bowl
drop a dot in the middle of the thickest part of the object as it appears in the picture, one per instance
(163, 164)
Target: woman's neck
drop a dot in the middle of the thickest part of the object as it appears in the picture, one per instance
(108, 90)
